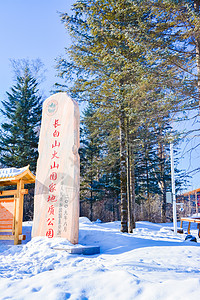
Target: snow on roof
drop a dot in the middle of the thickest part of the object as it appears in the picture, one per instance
(12, 172)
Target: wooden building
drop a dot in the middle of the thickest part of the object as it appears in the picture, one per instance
(190, 201)
(12, 191)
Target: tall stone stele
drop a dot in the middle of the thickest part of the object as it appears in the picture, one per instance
(56, 201)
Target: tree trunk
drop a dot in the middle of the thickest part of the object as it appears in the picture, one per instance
(91, 202)
(114, 203)
(162, 183)
(117, 207)
(164, 203)
(132, 186)
(124, 214)
(128, 171)
(91, 211)
(147, 184)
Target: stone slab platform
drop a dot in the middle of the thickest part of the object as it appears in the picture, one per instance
(86, 250)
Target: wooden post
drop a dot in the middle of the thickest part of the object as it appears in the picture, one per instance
(198, 227)
(188, 228)
(181, 223)
(19, 212)
(14, 216)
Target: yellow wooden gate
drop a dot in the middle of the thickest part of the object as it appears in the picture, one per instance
(11, 202)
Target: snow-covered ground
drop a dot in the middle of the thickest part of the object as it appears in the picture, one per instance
(152, 263)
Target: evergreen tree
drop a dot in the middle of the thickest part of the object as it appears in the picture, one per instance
(100, 52)
(173, 44)
(119, 64)
(22, 114)
(89, 157)
(99, 172)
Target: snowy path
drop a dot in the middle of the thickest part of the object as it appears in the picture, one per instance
(152, 263)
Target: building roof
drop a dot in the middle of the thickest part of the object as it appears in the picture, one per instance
(12, 175)
(191, 192)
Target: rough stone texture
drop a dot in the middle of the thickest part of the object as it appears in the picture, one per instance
(56, 201)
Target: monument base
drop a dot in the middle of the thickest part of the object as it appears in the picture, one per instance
(85, 250)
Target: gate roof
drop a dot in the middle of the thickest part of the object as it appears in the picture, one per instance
(10, 176)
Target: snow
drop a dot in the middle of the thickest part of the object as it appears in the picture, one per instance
(11, 172)
(151, 263)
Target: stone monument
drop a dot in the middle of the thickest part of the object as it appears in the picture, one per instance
(56, 200)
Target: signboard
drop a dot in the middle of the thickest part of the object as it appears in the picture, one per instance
(168, 197)
(56, 202)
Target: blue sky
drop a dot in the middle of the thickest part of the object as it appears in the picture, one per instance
(31, 29)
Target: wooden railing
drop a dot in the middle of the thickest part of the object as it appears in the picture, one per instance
(191, 220)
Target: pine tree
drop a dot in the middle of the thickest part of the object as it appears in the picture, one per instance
(22, 114)
(89, 157)
(173, 45)
(118, 63)
(107, 67)
(99, 165)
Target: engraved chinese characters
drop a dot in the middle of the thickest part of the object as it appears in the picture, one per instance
(56, 201)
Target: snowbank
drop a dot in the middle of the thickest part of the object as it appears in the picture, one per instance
(152, 263)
